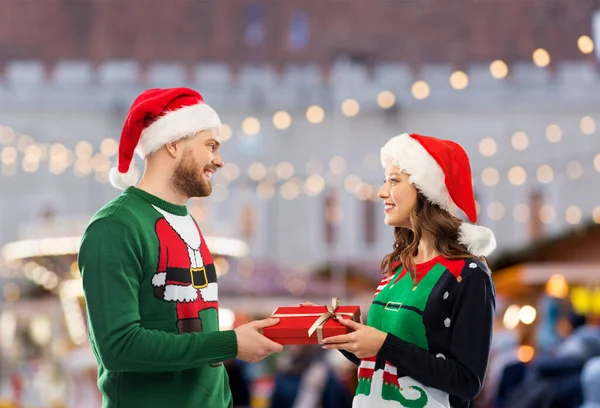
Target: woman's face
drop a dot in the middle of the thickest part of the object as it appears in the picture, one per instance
(399, 197)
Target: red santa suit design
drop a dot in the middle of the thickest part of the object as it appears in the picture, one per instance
(186, 274)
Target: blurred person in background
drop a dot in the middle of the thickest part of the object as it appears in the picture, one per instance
(548, 336)
(80, 371)
(505, 369)
(306, 378)
(344, 371)
(428, 335)
(590, 383)
(148, 276)
(554, 381)
(555, 325)
(570, 323)
(239, 383)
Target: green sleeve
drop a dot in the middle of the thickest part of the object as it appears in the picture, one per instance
(110, 260)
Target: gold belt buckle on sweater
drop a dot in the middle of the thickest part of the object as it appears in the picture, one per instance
(196, 271)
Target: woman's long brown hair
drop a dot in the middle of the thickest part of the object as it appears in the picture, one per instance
(438, 223)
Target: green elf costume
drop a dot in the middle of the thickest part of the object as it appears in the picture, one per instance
(439, 325)
(149, 279)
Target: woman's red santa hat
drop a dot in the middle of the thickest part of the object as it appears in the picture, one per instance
(158, 117)
(441, 171)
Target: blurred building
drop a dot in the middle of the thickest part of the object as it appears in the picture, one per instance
(308, 92)
(302, 150)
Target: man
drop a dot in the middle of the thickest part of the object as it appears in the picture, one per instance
(148, 276)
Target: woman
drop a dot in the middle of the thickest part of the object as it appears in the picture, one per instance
(427, 339)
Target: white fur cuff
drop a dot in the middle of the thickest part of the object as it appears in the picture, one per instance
(181, 293)
(210, 293)
(159, 279)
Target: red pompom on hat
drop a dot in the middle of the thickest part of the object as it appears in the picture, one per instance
(441, 171)
(158, 117)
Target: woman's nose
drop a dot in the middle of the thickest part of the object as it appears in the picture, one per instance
(383, 193)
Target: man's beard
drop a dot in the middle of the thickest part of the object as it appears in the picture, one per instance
(189, 180)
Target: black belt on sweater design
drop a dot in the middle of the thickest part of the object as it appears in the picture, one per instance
(394, 306)
(198, 277)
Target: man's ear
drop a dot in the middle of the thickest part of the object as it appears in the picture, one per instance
(173, 148)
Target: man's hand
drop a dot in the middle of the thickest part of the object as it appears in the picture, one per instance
(252, 345)
(365, 341)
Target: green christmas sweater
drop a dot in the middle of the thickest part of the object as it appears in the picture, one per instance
(439, 336)
(152, 302)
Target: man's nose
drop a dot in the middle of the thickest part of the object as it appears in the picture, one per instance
(218, 161)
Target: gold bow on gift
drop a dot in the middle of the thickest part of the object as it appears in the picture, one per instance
(329, 314)
(322, 318)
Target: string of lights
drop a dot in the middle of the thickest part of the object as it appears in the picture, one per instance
(84, 161)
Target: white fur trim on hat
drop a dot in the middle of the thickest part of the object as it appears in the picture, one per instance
(424, 172)
(479, 240)
(174, 125)
(123, 180)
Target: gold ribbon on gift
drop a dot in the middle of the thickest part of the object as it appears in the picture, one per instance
(322, 318)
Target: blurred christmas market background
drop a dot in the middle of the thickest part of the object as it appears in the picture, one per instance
(308, 93)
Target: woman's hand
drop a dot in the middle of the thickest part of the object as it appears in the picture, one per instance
(364, 342)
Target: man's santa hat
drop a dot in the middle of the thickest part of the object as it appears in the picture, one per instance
(158, 117)
(441, 171)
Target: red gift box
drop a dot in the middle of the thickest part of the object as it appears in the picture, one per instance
(296, 322)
